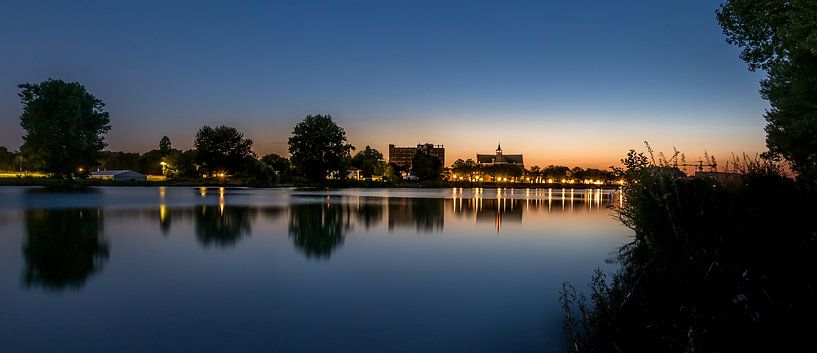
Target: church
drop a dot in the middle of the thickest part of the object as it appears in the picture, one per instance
(500, 159)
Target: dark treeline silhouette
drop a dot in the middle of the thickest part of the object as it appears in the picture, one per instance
(319, 152)
(716, 265)
(723, 262)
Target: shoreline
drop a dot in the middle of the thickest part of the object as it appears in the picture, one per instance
(347, 184)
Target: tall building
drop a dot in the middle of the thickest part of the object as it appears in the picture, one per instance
(403, 156)
(500, 159)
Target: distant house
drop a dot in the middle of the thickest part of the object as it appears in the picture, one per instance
(118, 175)
(354, 173)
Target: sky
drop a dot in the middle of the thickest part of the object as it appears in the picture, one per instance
(577, 82)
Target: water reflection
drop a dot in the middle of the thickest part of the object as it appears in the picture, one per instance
(318, 229)
(223, 226)
(426, 215)
(63, 247)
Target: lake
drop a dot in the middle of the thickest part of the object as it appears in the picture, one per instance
(176, 269)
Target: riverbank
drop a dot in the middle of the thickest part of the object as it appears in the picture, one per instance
(328, 184)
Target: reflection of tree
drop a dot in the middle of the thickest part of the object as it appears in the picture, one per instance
(223, 226)
(425, 214)
(63, 247)
(317, 229)
(428, 214)
(369, 213)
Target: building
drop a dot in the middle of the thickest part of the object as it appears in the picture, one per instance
(403, 156)
(118, 175)
(500, 159)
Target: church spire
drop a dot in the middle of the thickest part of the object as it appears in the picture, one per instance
(498, 148)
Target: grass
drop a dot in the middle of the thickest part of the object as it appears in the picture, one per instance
(714, 266)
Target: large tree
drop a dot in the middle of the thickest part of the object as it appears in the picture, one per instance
(7, 159)
(64, 125)
(426, 167)
(318, 147)
(369, 161)
(222, 148)
(780, 37)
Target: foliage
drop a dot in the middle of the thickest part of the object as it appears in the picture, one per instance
(465, 167)
(8, 160)
(64, 125)
(426, 167)
(222, 148)
(181, 164)
(369, 161)
(780, 37)
(318, 147)
(279, 164)
(165, 146)
(119, 160)
(716, 265)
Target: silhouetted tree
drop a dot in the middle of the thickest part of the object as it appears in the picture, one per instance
(426, 167)
(280, 166)
(318, 147)
(63, 247)
(464, 167)
(369, 161)
(64, 125)
(779, 37)
(7, 159)
(222, 148)
(164, 145)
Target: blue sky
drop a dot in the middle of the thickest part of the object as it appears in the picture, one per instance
(575, 82)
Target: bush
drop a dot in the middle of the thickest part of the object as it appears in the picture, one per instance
(715, 265)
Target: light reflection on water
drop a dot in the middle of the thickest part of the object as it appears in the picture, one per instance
(273, 262)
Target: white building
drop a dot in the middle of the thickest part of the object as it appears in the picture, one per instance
(117, 175)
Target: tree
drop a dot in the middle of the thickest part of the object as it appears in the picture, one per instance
(119, 160)
(426, 167)
(64, 125)
(164, 145)
(279, 165)
(369, 161)
(318, 147)
(7, 159)
(780, 37)
(464, 168)
(222, 149)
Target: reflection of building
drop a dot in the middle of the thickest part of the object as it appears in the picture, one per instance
(426, 215)
(403, 156)
(499, 158)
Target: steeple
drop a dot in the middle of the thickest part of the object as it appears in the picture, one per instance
(498, 149)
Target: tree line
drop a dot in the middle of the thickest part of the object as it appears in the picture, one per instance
(65, 125)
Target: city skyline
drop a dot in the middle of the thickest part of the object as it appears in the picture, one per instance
(562, 83)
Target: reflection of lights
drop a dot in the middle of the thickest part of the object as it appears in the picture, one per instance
(162, 205)
(221, 200)
(203, 191)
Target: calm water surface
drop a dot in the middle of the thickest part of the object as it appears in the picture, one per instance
(276, 270)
